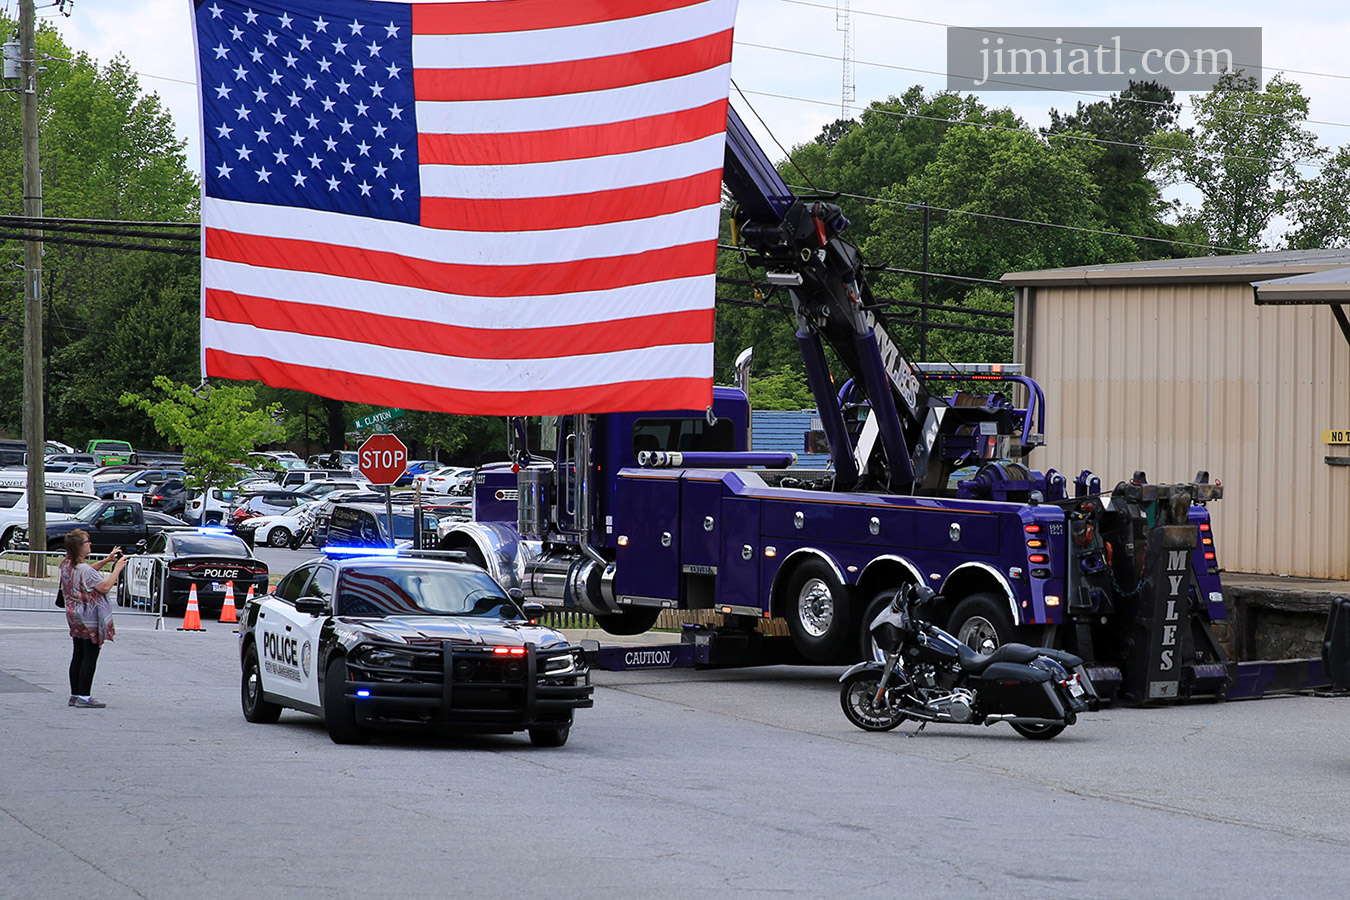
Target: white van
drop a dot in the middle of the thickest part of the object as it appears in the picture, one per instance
(56, 481)
(61, 505)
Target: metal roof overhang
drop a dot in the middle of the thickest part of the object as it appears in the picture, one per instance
(1328, 288)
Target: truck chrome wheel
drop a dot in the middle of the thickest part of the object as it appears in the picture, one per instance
(815, 607)
(979, 633)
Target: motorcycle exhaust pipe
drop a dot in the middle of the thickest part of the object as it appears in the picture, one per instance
(1021, 720)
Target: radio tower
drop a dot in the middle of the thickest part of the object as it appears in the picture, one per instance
(849, 90)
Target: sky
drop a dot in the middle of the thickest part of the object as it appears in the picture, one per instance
(792, 48)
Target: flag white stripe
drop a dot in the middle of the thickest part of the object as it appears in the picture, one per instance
(503, 313)
(573, 110)
(488, 248)
(574, 42)
(522, 375)
(575, 176)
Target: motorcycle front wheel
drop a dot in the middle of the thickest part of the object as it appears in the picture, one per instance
(856, 697)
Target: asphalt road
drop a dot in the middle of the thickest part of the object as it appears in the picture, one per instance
(678, 784)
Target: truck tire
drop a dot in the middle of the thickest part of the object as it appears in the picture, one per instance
(256, 709)
(628, 623)
(879, 602)
(983, 623)
(818, 612)
(338, 714)
(7, 541)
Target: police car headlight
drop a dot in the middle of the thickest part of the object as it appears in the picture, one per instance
(376, 656)
(561, 665)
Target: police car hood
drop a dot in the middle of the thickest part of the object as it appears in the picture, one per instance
(463, 629)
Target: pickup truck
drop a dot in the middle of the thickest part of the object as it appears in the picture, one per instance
(110, 523)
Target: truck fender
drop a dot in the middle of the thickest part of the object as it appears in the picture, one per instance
(791, 561)
(859, 667)
(497, 546)
(886, 560)
(993, 574)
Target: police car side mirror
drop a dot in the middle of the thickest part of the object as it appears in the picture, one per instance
(516, 594)
(312, 606)
(533, 609)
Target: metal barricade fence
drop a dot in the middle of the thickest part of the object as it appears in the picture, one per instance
(29, 582)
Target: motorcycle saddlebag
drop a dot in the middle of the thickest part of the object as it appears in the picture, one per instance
(1020, 691)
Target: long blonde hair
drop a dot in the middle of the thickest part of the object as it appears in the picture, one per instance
(74, 541)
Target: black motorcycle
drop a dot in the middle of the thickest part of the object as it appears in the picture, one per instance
(923, 673)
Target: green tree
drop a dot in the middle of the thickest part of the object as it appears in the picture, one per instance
(1320, 213)
(1242, 156)
(115, 318)
(784, 389)
(216, 428)
(1121, 129)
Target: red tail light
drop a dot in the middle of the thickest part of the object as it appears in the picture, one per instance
(509, 651)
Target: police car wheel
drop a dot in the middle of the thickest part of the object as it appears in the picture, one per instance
(554, 736)
(256, 709)
(338, 714)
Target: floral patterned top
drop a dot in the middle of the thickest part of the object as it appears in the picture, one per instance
(88, 612)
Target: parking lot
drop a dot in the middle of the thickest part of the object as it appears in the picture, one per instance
(678, 783)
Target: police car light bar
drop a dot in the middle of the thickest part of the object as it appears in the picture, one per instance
(213, 529)
(331, 551)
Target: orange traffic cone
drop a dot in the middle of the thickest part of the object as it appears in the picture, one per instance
(227, 612)
(192, 618)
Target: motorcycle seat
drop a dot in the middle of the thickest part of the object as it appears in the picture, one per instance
(975, 663)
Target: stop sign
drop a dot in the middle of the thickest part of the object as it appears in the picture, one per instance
(382, 458)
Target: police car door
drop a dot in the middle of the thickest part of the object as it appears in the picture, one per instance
(285, 645)
(306, 627)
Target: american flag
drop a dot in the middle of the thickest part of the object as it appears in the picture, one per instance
(488, 207)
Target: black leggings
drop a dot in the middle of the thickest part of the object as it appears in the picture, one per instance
(82, 664)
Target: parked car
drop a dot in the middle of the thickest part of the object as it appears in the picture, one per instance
(415, 468)
(368, 525)
(324, 487)
(61, 505)
(335, 459)
(277, 530)
(319, 525)
(110, 523)
(448, 480)
(297, 477)
(169, 497)
(135, 484)
(263, 503)
(170, 564)
(111, 452)
(72, 459)
(65, 468)
(211, 507)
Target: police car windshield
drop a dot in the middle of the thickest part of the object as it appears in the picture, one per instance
(421, 591)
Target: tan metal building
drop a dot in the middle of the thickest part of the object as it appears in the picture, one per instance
(1171, 366)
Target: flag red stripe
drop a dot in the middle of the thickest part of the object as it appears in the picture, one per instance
(529, 15)
(573, 211)
(574, 76)
(689, 327)
(383, 267)
(520, 148)
(656, 394)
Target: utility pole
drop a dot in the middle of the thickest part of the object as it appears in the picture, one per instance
(34, 428)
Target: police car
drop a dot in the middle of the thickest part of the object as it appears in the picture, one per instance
(171, 562)
(386, 641)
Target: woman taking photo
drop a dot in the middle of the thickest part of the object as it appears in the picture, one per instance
(88, 612)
